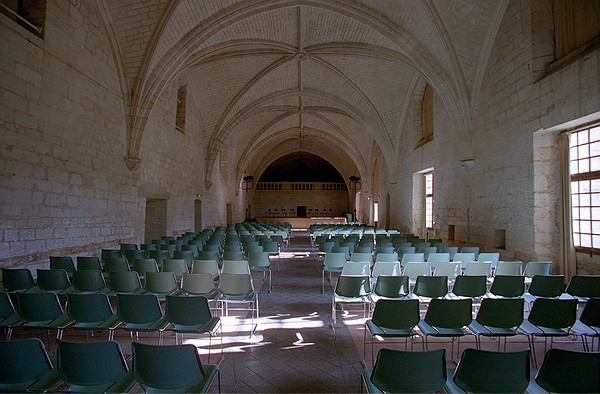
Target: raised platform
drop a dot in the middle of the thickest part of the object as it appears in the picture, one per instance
(303, 223)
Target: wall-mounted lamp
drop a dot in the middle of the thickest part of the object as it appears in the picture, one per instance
(248, 182)
(354, 183)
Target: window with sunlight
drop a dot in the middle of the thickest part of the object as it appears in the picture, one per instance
(584, 158)
(429, 200)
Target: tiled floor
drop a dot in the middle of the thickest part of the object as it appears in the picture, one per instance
(292, 349)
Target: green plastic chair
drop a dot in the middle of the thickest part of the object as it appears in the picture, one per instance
(93, 367)
(9, 318)
(391, 287)
(141, 313)
(332, 262)
(192, 248)
(588, 324)
(124, 282)
(513, 268)
(469, 286)
(159, 255)
(566, 371)
(350, 290)
(192, 315)
(398, 371)
(584, 287)
(176, 266)
(549, 318)
(25, 365)
(482, 371)
(533, 268)
(17, 279)
(125, 247)
(392, 319)
(63, 263)
(186, 255)
(54, 281)
(91, 263)
(110, 253)
(238, 289)
(133, 254)
(113, 264)
(233, 255)
(497, 317)
(507, 286)
(205, 254)
(172, 368)
(429, 287)
(446, 318)
(89, 281)
(260, 262)
(42, 311)
(91, 312)
(142, 266)
(161, 284)
(201, 284)
(545, 286)
(207, 266)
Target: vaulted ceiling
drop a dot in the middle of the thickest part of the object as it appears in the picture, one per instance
(332, 78)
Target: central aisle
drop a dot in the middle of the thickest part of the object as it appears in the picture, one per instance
(293, 349)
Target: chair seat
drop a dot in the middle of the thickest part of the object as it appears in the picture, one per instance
(240, 297)
(441, 331)
(531, 329)
(480, 329)
(209, 326)
(390, 332)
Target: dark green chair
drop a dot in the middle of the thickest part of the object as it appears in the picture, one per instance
(510, 286)
(110, 253)
(469, 286)
(588, 324)
(89, 281)
(112, 264)
(172, 368)
(133, 254)
(397, 371)
(161, 284)
(584, 287)
(350, 290)
(565, 371)
(142, 266)
(93, 367)
(62, 262)
(429, 287)
(260, 262)
(42, 311)
(141, 313)
(187, 255)
(125, 247)
(549, 318)
(446, 318)
(544, 286)
(17, 279)
(9, 318)
(25, 365)
(392, 318)
(91, 312)
(497, 317)
(391, 287)
(332, 262)
(91, 263)
(482, 371)
(124, 282)
(192, 315)
(54, 281)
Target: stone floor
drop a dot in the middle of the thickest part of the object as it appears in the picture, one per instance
(292, 348)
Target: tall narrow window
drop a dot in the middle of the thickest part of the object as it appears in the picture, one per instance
(376, 212)
(181, 104)
(584, 159)
(426, 116)
(429, 200)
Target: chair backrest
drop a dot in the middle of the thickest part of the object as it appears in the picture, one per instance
(54, 280)
(470, 249)
(431, 286)
(161, 283)
(553, 313)
(412, 257)
(124, 282)
(39, 307)
(356, 268)
(587, 286)
(112, 264)
(533, 268)
(482, 371)
(138, 308)
(452, 250)
(493, 257)
(342, 249)
(447, 313)
(392, 286)
(142, 266)
(17, 279)
(63, 263)
(414, 269)
(208, 255)
(450, 269)
(176, 266)
(567, 371)
(206, 266)
(197, 283)
(133, 254)
(7, 309)
(334, 260)
(235, 284)
(387, 257)
(591, 313)
(386, 268)
(508, 285)
(233, 255)
(186, 255)
(428, 250)
(427, 371)
(509, 268)
(396, 314)
(353, 286)
(192, 248)
(235, 267)
(89, 308)
(170, 368)
(479, 268)
(159, 255)
(110, 253)
(187, 311)
(88, 263)
(22, 363)
(88, 281)
(258, 260)
(501, 312)
(361, 256)
(464, 258)
(435, 258)
(91, 366)
(470, 286)
(547, 285)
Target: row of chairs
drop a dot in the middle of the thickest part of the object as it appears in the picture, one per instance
(449, 317)
(481, 371)
(94, 312)
(101, 367)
